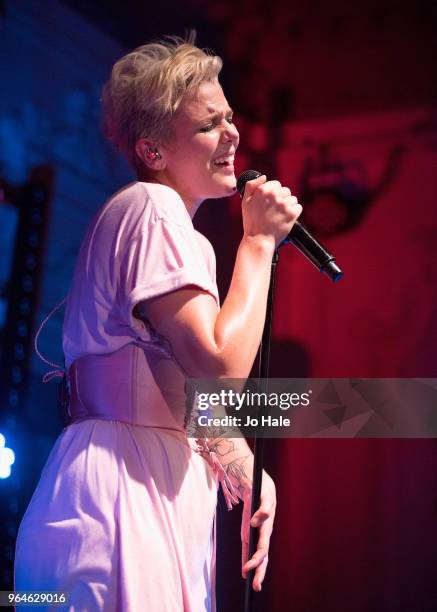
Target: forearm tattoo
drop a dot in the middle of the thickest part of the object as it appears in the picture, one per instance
(234, 461)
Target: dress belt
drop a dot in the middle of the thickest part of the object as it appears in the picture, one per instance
(116, 386)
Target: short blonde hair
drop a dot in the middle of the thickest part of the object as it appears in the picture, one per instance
(146, 88)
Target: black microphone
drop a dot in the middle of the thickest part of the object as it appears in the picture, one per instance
(301, 238)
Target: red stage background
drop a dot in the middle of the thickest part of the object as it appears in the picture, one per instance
(356, 525)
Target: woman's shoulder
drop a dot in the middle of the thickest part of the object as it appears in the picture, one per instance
(166, 203)
(156, 201)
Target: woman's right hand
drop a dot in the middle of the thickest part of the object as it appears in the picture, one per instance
(269, 210)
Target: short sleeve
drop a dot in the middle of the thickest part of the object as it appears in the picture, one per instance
(163, 258)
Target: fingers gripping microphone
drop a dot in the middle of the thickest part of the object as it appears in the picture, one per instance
(301, 238)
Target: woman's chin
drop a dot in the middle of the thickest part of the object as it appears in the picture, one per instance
(223, 185)
(229, 183)
(227, 190)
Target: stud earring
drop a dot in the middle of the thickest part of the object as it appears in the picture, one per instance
(152, 154)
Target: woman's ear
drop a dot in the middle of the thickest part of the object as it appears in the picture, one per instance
(148, 153)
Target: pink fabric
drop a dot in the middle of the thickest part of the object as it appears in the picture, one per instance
(123, 515)
(141, 244)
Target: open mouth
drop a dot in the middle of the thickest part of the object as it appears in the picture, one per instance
(224, 161)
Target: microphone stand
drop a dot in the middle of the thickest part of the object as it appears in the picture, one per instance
(258, 449)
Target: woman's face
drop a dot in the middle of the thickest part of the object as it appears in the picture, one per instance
(199, 159)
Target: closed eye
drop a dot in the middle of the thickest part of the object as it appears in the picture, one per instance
(211, 126)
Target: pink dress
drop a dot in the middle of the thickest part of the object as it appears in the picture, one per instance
(123, 517)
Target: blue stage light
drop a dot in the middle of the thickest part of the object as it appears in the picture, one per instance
(7, 458)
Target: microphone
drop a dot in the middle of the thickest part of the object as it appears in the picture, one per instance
(301, 238)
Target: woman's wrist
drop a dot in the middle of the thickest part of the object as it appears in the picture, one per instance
(261, 244)
(267, 483)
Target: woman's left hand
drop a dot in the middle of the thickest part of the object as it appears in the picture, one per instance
(263, 519)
